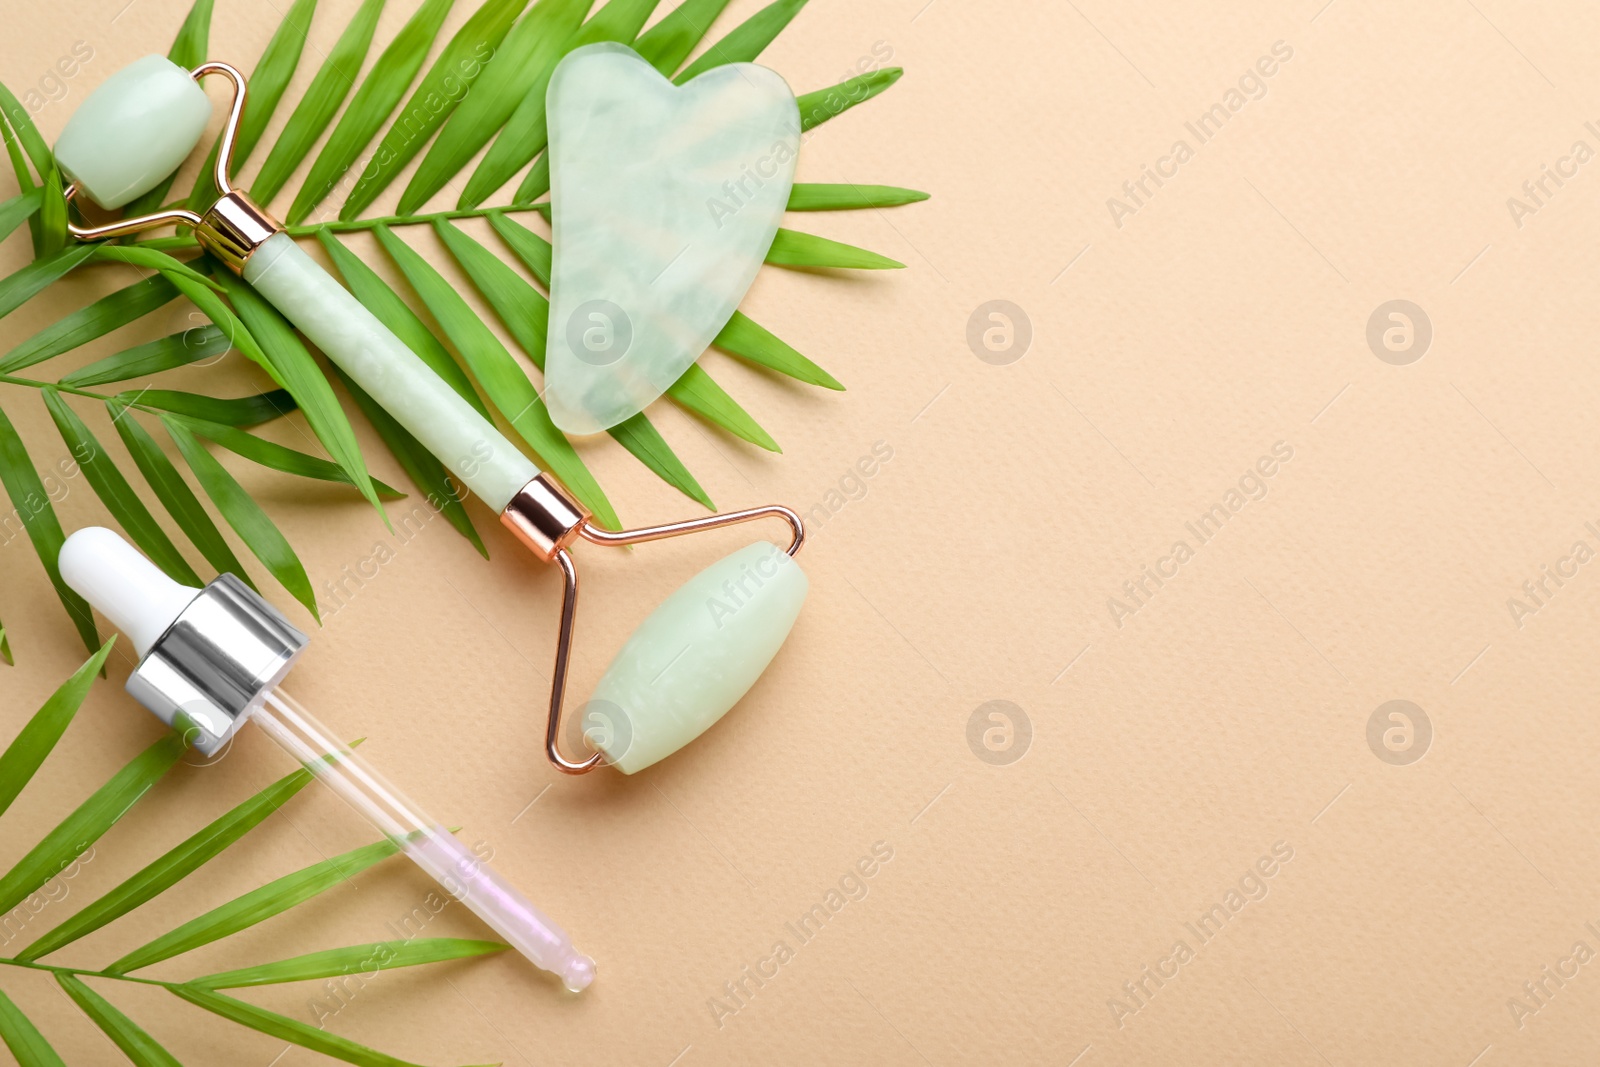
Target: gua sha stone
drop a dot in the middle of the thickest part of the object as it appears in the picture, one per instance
(665, 200)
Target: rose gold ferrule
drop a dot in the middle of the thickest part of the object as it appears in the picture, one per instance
(544, 517)
(234, 228)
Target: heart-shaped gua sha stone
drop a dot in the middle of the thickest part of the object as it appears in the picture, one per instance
(664, 200)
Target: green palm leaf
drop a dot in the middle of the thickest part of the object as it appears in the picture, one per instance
(698, 392)
(751, 341)
(353, 959)
(794, 249)
(25, 182)
(26, 132)
(529, 50)
(17, 289)
(316, 109)
(668, 43)
(844, 196)
(287, 1029)
(32, 503)
(254, 528)
(270, 78)
(172, 867)
(175, 495)
(266, 337)
(115, 492)
(526, 132)
(153, 357)
(126, 1034)
(386, 305)
(87, 323)
(267, 84)
(52, 218)
(230, 411)
(24, 1040)
(17, 210)
(253, 907)
(292, 367)
(525, 313)
(279, 457)
(157, 260)
(38, 738)
(464, 59)
(74, 834)
(373, 102)
(824, 104)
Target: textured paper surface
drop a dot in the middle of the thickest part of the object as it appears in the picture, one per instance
(972, 519)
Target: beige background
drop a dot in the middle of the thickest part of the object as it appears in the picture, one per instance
(1229, 714)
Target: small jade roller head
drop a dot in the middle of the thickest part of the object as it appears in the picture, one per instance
(132, 131)
(137, 128)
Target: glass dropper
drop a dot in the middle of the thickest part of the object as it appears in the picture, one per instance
(211, 660)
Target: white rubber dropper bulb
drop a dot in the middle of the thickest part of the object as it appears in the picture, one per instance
(113, 576)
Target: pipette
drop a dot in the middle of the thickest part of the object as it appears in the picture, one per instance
(211, 660)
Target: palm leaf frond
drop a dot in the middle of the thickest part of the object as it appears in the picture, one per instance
(172, 867)
(259, 904)
(527, 53)
(115, 492)
(85, 825)
(352, 959)
(363, 125)
(175, 495)
(259, 533)
(527, 130)
(39, 735)
(375, 99)
(24, 1040)
(33, 509)
(467, 55)
(319, 104)
(286, 1029)
(103, 809)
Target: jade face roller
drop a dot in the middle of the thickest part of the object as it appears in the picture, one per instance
(211, 660)
(687, 664)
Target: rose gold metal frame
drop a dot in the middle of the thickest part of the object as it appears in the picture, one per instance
(548, 520)
(234, 227)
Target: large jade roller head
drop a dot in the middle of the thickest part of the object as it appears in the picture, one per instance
(686, 665)
(693, 658)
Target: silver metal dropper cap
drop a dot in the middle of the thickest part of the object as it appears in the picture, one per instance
(210, 655)
(216, 662)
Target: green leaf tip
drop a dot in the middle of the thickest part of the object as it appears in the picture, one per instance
(38, 737)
